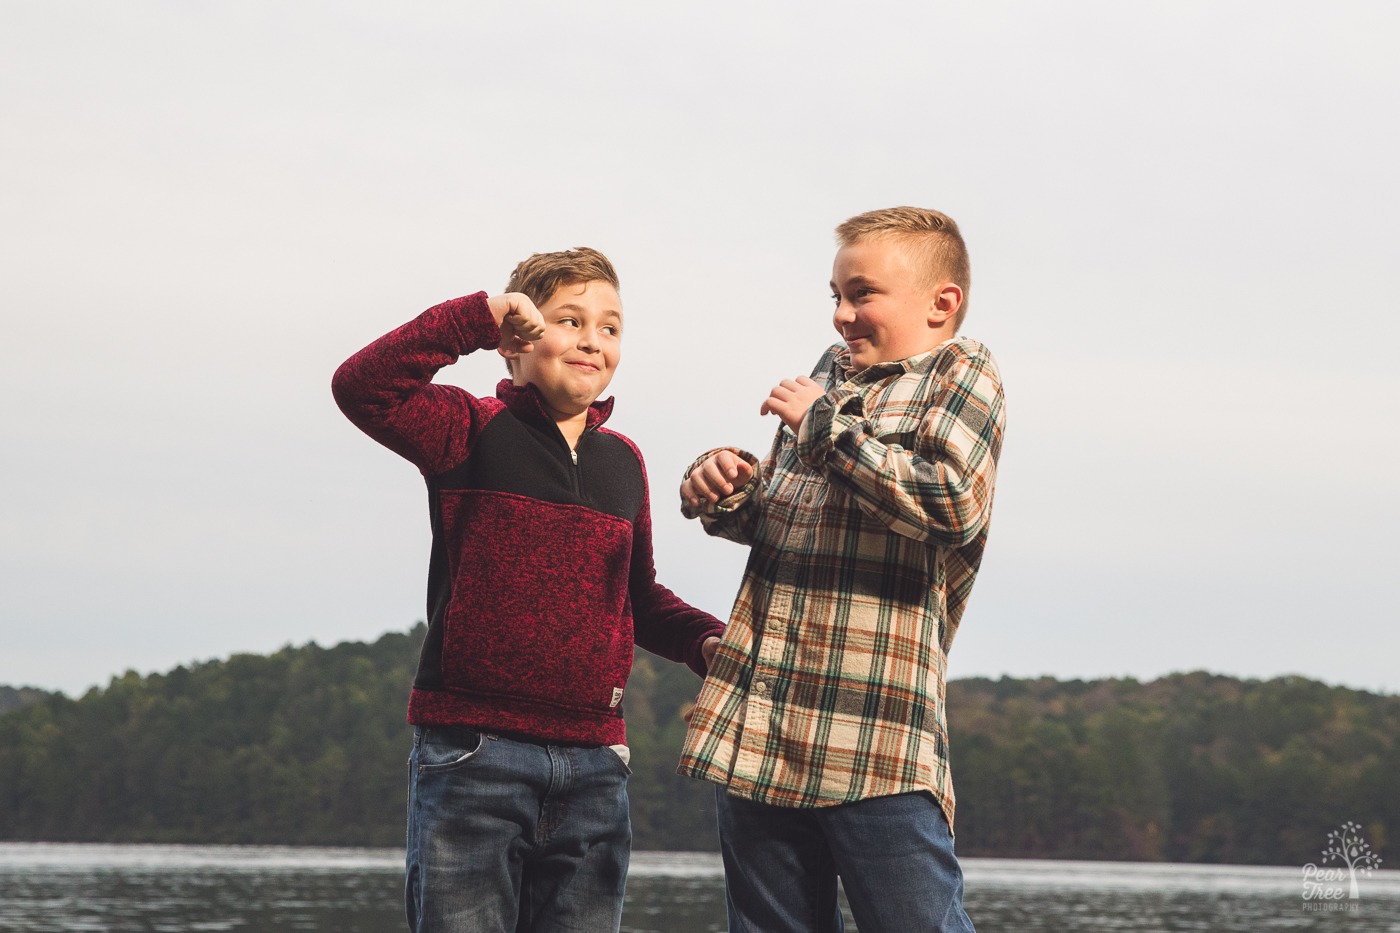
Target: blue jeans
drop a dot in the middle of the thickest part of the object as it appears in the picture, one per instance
(512, 837)
(894, 856)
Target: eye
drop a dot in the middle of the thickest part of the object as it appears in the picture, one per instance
(835, 298)
(612, 329)
(569, 321)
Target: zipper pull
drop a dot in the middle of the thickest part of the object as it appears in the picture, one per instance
(573, 455)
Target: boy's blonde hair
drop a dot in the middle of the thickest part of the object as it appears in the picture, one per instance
(543, 274)
(935, 244)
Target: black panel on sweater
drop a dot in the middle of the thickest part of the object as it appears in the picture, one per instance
(530, 459)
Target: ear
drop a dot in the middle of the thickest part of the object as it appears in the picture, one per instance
(945, 304)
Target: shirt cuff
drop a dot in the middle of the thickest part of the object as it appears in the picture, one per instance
(476, 325)
(825, 420)
(729, 503)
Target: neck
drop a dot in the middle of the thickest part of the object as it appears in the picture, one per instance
(571, 426)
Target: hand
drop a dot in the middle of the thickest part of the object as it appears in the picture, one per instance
(707, 650)
(790, 400)
(716, 478)
(519, 319)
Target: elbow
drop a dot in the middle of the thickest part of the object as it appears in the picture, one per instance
(342, 380)
(346, 387)
(961, 521)
(949, 534)
(967, 532)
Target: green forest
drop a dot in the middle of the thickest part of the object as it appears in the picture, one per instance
(308, 746)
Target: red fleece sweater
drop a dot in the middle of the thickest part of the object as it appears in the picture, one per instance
(541, 575)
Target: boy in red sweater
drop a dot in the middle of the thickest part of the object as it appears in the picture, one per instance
(540, 580)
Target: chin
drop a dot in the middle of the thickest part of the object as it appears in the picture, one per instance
(583, 400)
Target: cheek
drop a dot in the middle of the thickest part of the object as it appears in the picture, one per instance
(549, 347)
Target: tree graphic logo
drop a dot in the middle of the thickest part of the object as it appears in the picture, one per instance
(1326, 888)
(1347, 845)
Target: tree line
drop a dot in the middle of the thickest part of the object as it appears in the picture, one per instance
(12, 698)
(308, 745)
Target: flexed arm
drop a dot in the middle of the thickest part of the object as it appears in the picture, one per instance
(941, 490)
(387, 391)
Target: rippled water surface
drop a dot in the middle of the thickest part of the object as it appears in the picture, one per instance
(72, 888)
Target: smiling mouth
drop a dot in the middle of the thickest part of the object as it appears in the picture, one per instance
(586, 367)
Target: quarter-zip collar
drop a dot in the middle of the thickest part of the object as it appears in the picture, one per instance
(526, 403)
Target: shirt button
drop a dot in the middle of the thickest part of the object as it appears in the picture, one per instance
(760, 687)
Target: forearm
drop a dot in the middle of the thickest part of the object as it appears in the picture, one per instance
(941, 498)
(662, 622)
(386, 389)
(939, 487)
(667, 626)
(384, 375)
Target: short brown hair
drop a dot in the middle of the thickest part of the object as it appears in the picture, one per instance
(543, 274)
(540, 276)
(935, 242)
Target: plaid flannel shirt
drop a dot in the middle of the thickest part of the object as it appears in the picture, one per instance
(866, 529)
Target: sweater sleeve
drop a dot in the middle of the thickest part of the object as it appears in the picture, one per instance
(662, 622)
(387, 391)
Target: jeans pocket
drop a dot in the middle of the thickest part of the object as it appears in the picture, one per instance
(446, 749)
(624, 761)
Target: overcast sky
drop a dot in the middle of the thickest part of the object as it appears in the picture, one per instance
(1182, 219)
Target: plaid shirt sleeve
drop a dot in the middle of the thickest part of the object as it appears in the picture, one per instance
(940, 491)
(724, 517)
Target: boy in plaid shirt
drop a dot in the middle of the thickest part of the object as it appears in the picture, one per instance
(822, 717)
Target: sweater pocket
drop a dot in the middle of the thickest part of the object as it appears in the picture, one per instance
(539, 610)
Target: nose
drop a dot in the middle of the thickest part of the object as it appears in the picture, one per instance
(587, 340)
(845, 313)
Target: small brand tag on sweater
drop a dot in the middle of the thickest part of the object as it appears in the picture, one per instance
(617, 697)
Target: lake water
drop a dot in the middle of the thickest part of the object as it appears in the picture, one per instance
(253, 889)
